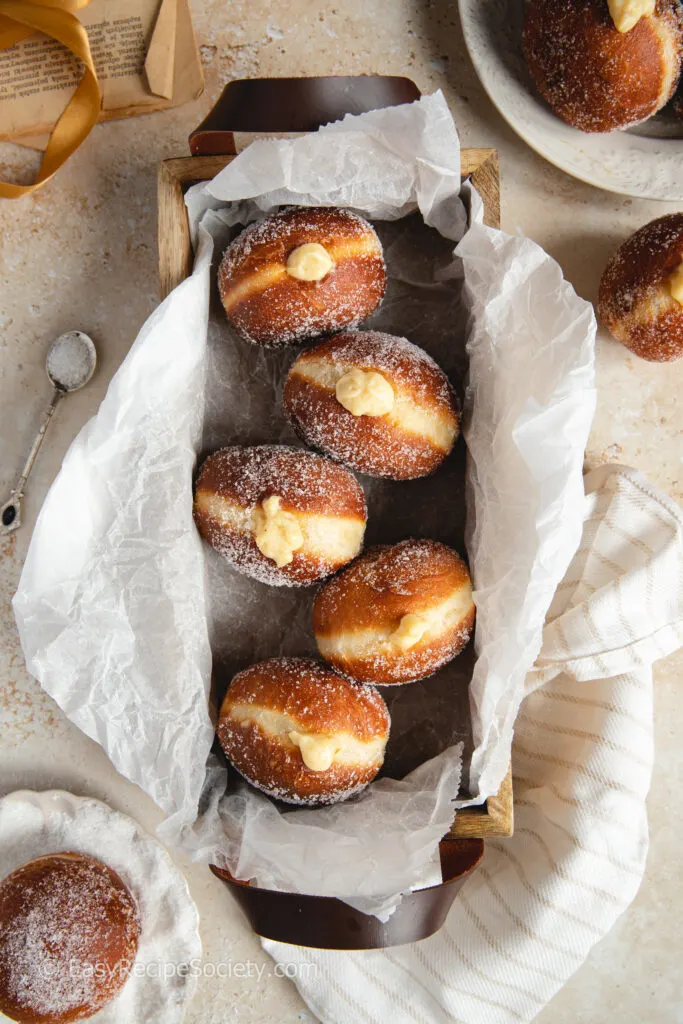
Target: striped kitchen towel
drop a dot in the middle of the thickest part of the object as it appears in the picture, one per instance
(582, 762)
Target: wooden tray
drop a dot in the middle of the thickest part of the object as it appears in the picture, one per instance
(495, 817)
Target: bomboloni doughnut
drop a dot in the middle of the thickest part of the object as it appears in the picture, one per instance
(374, 401)
(301, 733)
(604, 65)
(301, 273)
(641, 291)
(282, 515)
(397, 614)
(69, 935)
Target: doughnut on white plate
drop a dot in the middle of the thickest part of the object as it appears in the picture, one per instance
(645, 162)
(162, 981)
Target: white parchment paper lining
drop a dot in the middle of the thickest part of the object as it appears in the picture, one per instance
(111, 604)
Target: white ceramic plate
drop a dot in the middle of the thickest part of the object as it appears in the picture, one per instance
(164, 980)
(633, 163)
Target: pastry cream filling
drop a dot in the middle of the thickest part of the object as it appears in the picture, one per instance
(437, 426)
(365, 393)
(309, 262)
(676, 285)
(319, 751)
(409, 631)
(627, 13)
(333, 538)
(277, 533)
(434, 622)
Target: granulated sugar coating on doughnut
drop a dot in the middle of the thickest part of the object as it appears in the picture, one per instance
(397, 614)
(302, 273)
(69, 934)
(595, 77)
(374, 401)
(282, 515)
(301, 733)
(641, 291)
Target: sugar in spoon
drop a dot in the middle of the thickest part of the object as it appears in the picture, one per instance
(70, 364)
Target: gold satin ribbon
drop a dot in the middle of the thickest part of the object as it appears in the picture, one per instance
(21, 18)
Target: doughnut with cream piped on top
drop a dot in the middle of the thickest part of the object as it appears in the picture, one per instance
(375, 402)
(301, 273)
(282, 515)
(302, 733)
(396, 614)
(604, 65)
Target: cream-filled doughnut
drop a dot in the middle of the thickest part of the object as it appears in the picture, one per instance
(301, 273)
(396, 614)
(285, 516)
(302, 733)
(604, 64)
(641, 291)
(69, 933)
(375, 402)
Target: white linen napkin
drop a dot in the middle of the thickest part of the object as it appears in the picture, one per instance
(582, 761)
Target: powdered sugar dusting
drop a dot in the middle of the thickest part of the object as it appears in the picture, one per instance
(595, 77)
(305, 482)
(315, 700)
(287, 311)
(374, 445)
(402, 569)
(58, 926)
(409, 577)
(314, 695)
(334, 793)
(635, 303)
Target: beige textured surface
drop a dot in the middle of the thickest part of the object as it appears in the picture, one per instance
(82, 254)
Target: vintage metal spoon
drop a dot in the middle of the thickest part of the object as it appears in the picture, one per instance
(70, 364)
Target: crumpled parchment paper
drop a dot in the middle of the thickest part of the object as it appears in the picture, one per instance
(114, 616)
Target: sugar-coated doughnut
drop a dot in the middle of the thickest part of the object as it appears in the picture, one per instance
(374, 401)
(301, 273)
(396, 614)
(285, 516)
(599, 77)
(641, 291)
(69, 933)
(302, 733)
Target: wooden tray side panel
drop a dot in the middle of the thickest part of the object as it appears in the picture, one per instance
(495, 818)
(175, 248)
